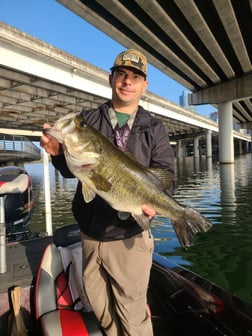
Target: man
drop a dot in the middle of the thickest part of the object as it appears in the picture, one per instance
(117, 253)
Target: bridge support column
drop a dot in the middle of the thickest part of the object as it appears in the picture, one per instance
(240, 147)
(179, 149)
(226, 140)
(209, 144)
(247, 147)
(196, 147)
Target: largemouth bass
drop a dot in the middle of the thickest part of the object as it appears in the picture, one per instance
(119, 179)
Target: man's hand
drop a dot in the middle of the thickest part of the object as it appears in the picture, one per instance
(149, 211)
(51, 145)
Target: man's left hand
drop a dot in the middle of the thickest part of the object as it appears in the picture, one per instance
(149, 211)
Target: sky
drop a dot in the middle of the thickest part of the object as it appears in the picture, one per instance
(51, 22)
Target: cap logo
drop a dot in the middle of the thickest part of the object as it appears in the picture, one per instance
(131, 58)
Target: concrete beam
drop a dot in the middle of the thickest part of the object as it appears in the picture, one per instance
(247, 125)
(26, 133)
(233, 90)
(186, 136)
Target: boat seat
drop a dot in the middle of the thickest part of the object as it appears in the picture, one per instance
(13, 184)
(58, 305)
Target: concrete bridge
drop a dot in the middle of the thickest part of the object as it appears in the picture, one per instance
(16, 149)
(203, 45)
(39, 83)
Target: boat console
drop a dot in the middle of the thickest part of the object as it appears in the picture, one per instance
(16, 193)
(16, 207)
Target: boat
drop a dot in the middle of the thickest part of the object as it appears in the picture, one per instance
(180, 301)
(18, 204)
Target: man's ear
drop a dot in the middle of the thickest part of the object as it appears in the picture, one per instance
(146, 86)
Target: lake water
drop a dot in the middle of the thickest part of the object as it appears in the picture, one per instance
(222, 193)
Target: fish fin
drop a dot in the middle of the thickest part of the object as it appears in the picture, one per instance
(88, 194)
(142, 220)
(187, 226)
(165, 177)
(100, 182)
(162, 178)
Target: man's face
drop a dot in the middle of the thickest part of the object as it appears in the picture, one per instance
(127, 86)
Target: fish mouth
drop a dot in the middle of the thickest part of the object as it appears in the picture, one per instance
(50, 131)
(54, 133)
(46, 131)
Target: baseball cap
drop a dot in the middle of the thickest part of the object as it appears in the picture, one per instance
(131, 58)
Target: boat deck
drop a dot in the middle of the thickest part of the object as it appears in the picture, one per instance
(23, 260)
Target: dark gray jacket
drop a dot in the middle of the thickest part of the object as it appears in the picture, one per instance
(148, 142)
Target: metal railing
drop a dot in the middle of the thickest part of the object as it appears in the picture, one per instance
(14, 143)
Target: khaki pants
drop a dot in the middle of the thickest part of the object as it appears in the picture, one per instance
(116, 276)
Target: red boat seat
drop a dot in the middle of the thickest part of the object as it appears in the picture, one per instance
(56, 308)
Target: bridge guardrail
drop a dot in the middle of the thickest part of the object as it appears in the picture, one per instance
(14, 143)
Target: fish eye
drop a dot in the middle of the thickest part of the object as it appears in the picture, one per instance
(83, 123)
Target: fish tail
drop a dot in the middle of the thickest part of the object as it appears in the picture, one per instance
(187, 226)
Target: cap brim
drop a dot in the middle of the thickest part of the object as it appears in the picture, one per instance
(129, 67)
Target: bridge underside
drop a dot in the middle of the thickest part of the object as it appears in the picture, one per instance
(28, 102)
(204, 45)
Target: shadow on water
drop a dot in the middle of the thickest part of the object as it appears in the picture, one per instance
(222, 193)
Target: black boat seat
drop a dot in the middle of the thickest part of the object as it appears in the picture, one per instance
(57, 309)
(13, 184)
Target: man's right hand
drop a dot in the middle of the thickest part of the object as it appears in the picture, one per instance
(51, 145)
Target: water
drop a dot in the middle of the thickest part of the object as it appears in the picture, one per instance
(222, 193)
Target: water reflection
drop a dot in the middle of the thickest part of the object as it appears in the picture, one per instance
(227, 186)
(209, 162)
(220, 192)
(196, 161)
(62, 192)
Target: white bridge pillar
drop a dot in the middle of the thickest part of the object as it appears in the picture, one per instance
(196, 147)
(226, 141)
(179, 149)
(209, 144)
